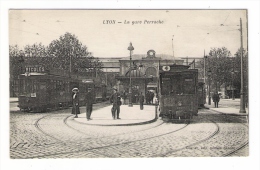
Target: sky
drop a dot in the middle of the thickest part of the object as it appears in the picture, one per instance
(180, 33)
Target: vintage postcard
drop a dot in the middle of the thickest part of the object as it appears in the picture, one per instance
(154, 83)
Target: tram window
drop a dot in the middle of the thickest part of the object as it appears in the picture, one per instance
(63, 84)
(42, 86)
(28, 84)
(166, 86)
(34, 86)
(54, 85)
(58, 86)
(176, 85)
(22, 86)
(188, 85)
(67, 86)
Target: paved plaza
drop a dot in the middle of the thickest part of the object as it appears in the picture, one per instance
(138, 134)
(128, 116)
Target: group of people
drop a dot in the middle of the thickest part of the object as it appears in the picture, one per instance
(115, 99)
(88, 100)
(149, 97)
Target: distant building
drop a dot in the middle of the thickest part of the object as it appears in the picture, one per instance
(144, 74)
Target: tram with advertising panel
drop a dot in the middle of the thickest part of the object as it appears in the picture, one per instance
(43, 91)
(178, 93)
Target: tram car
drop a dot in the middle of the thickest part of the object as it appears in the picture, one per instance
(40, 92)
(100, 92)
(178, 93)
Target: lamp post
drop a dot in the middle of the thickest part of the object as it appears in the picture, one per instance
(204, 68)
(233, 84)
(21, 64)
(242, 102)
(130, 48)
(209, 98)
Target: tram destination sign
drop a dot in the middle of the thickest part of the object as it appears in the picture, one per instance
(35, 69)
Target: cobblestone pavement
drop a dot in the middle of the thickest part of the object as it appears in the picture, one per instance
(58, 135)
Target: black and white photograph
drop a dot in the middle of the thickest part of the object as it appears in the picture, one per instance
(129, 83)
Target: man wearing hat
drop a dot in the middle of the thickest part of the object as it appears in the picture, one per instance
(141, 101)
(115, 100)
(75, 102)
(89, 103)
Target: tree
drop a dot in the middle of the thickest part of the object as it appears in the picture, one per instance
(35, 50)
(16, 65)
(220, 64)
(90, 66)
(68, 49)
(16, 60)
(219, 61)
(238, 69)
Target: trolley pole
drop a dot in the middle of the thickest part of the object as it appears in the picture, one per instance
(204, 70)
(209, 97)
(232, 85)
(173, 49)
(242, 103)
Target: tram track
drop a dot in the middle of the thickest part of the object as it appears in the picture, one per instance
(160, 124)
(37, 126)
(112, 145)
(65, 122)
(240, 118)
(237, 149)
(83, 140)
(241, 146)
(193, 144)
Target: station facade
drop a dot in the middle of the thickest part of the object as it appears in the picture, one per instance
(144, 72)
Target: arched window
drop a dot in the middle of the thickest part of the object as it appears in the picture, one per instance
(151, 71)
(134, 73)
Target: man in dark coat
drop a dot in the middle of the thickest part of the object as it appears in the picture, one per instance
(216, 99)
(147, 97)
(89, 104)
(116, 101)
(124, 95)
(141, 101)
(75, 102)
(152, 96)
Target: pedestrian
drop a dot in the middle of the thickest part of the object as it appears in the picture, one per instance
(147, 97)
(89, 104)
(75, 102)
(141, 101)
(124, 95)
(137, 98)
(152, 97)
(216, 99)
(246, 100)
(115, 99)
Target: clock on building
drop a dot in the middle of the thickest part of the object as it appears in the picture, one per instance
(151, 53)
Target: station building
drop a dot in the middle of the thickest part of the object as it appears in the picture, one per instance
(144, 72)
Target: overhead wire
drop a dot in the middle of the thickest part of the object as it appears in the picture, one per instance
(212, 26)
(40, 34)
(28, 22)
